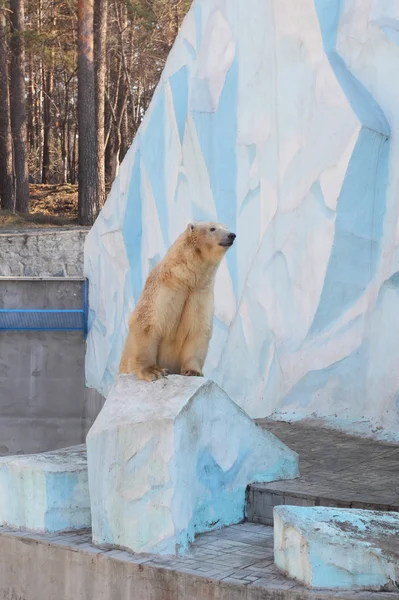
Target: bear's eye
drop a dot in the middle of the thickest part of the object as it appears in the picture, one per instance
(212, 229)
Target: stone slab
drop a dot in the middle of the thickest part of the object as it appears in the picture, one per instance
(173, 458)
(337, 548)
(45, 492)
(234, 563)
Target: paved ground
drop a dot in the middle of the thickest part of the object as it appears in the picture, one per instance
(339, 467)
(235, 563)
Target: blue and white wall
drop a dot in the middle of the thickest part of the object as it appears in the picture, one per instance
(281, 119)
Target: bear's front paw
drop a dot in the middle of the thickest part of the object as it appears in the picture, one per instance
(192, 373)
(152, 373)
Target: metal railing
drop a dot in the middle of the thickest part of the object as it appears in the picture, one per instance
(34, 319)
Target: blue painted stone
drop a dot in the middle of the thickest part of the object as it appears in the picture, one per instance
(280, 121)
(45, 492)
(335, 548)
(173, 458)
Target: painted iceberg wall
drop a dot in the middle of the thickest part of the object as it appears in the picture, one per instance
(279, 118)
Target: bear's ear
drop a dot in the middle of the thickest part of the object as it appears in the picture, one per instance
(190, 227)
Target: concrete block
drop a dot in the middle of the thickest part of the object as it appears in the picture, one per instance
(45, 492)
(337, 548)
(173, 458)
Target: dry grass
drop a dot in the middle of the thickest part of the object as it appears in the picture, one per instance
(51, 206)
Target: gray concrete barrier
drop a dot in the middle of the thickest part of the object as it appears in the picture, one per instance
(43, 401)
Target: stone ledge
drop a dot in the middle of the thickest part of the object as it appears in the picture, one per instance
(45, 492)
(71, 567)
(42, 230)
(338, 548)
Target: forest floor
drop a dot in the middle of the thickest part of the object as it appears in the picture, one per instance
(50, 206)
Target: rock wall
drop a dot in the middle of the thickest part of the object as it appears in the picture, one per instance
(279, 118)
(43, 253)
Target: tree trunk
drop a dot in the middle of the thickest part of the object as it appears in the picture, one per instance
(39, 100)
(39, 120)
(100, 41)
(88, 204)
(73, 170)
(7, 196)
(65, 137)
(48, 80)
(176, 19)
(111, 157)
(18, 109)
(31, 107)
(125, 135)
(48, 90)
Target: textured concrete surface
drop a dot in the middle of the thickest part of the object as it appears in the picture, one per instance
(43, 401)
(235, 563)
(335, 470)
(173, 458)
(42, 253)
(46, 492)
(280, 121)
(338, 548)
(41, 292)
(42, 393)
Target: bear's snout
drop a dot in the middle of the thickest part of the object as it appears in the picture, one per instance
(229, 240)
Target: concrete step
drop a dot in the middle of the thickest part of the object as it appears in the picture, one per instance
(336, 470)
(262, 498)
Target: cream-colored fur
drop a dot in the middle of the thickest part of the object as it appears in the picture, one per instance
(171, 326)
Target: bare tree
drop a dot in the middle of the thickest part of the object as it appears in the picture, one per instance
(47, 76)
(100, 46)
(48, 80)
(89, 205)
(122, 48)
(18, 109)
(7, 196)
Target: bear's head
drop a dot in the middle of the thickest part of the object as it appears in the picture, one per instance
(211, 240)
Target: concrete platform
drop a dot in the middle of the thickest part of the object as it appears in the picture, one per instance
(335, 548)
(335, 470)
(235, 563)
(172, 459)
(45, 492)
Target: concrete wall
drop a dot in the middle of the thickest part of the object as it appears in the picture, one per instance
(41, 569)
(42, 253)
(281, 121)
(43, 401)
